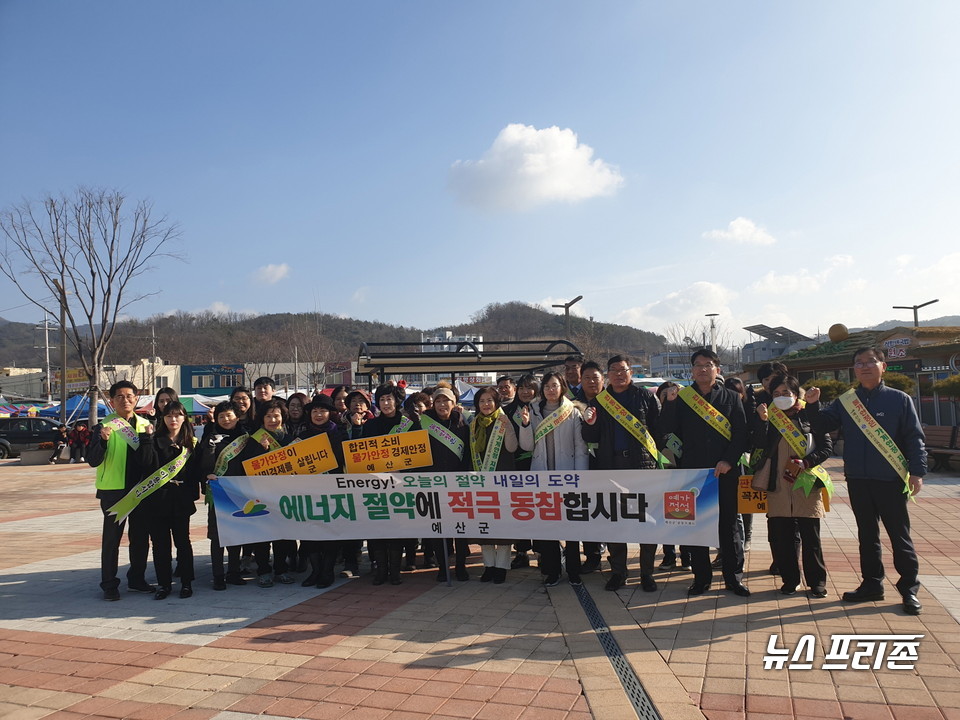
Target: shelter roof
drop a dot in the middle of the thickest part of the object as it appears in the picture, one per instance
(497, 356)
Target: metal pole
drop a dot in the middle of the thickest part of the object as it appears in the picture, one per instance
(63, 354)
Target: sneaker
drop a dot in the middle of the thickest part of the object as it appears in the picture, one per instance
(141, 588)
(668, 564)
(685, 566)
(551, 581)
(648, 583)
(786, 589)
(347, 573)
(82, 460)
(112, 594)
(717, 563)
(818, 592)
(264, 581)
(72, 460)
(284, 578)
(575, 580)
(235, 579)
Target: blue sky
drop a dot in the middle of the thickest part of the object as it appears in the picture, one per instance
(411, 162)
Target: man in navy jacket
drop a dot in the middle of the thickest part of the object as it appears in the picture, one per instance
(875, 486)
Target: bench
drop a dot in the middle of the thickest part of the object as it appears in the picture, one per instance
(941, 442)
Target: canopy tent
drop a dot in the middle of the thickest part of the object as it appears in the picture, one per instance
(193, 404)
(78, 407)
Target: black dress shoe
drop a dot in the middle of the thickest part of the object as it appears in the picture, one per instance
(818, 592)
(861, 595)
(698, 588)
(911, 606)
(111, 594)
(162, 593)
(591, 564)
(186, 591)
(219, 584)
(738, 589)
(615, 582)
(648, 583)
(789, 589)
(140, 587)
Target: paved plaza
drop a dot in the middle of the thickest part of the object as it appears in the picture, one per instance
(422, 650)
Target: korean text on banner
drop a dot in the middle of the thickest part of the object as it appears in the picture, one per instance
(307, 457)
(647, 506)
(388, 453)
(755, 501)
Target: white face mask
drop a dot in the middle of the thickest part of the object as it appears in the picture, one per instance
(784, 403)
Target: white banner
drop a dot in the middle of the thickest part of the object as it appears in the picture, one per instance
(648, 506)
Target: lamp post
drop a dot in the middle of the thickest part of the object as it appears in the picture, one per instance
(566, 312)
(62, 298)
(713, 331)
(916, 322)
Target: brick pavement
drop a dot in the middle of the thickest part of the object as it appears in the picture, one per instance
(423, 650)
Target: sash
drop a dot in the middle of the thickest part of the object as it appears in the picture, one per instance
(402, 426)
(443, 436)
(877, 436)
(229, 453)
(631, 424)
(260, 434)
(713, 417)
(150, 484)
(494, 446)
(551, 421)
(797, 441)
(124, 430)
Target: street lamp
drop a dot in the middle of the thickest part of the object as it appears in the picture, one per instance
(916, 322)
(713, 331)
(566, 312)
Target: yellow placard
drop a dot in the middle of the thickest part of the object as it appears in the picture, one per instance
(388, 453)
(306, 457)
(755, 501)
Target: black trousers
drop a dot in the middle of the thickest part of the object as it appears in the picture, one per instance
(731, 540)
(872, 502)
(618, 558)
(162, 528)
(216, 550)
(138, 536)
(550, 554)
(785, 550)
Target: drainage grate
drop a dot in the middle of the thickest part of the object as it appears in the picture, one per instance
(628, 678)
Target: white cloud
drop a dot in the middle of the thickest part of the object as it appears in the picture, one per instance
(219, 308)
(360, 294)
(271, 274)
(741, 231)
(526, 167)
(775, 283)
(686, 306)
(902, 261)
(838, 261)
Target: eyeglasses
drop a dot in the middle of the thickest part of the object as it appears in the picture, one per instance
(860, 365)
(128, 398)
(707, 366)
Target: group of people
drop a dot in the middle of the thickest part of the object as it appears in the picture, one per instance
(580, 418)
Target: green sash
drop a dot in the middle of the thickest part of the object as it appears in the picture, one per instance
(402, 426)
(229, 453)
(807, 480)
(149, 485)
(443, 436)
(713, 417)
(553, 420)
(124, 430)
(631, 424)
(877, 436)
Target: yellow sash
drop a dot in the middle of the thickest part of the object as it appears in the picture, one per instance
(551, 421)
(713, 417)
(798, 443)
(443, 436)
(877, 436)
(260, 434)
(631, 424)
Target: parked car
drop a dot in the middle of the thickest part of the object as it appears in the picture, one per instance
(25, 433)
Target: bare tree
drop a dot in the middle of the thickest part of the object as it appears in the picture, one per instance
(86, 250)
